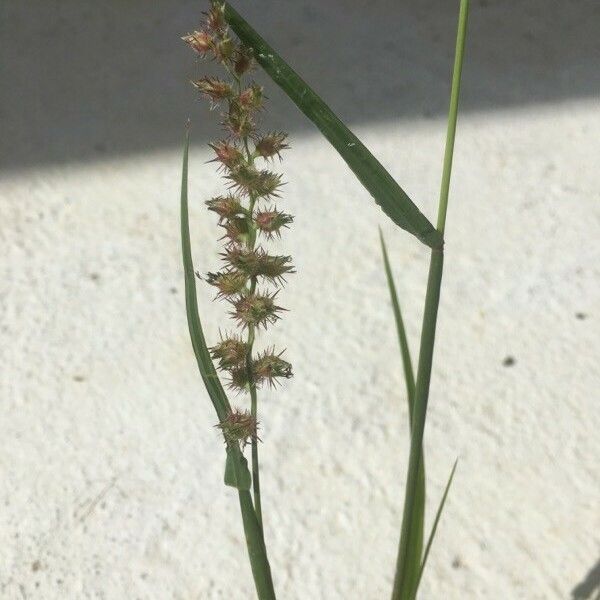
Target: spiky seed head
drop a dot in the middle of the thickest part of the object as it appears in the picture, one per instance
(256, 309)
(258, 263)
(242, 259)
(200, 41)
(215, 18)
(238, 379)
(229, 282)
(243, 60)
(227, 207)
(271, 145)
(239, 427)
(238, 121)
(270, 367)
(275, 268)
(251, 98)
(213, 88)
(237, 231)
(224, 50)
(227, 154)
(268, 184)
(270, 222)
(230, 352)
(246, 179)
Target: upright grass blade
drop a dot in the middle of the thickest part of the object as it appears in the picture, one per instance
(415, 545)
(404, 565)
(409, 377)
(434, 527)
(393, 200)
(205, 365)
(236, 469)
(402, 589)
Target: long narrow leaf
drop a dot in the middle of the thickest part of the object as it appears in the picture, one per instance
(409, 376)
(413, 564)
(205, 365)
(393, 200)
(434, 528)
(236, 472)
(432, 301)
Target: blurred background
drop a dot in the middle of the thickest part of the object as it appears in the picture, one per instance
(111, 471)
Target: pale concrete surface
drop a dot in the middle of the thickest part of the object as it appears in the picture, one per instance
(111, 470)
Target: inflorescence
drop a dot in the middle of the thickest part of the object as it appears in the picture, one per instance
(250, 277)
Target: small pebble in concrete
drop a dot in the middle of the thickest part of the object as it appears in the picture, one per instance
(509, 361)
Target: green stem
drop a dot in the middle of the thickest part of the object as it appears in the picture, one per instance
(252, 512)
(251, 334)
(257, 552)
(402, 588)
(453, 113)
(254, 411)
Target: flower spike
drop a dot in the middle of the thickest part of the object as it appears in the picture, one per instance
(251, 276)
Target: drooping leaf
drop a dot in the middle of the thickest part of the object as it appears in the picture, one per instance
(393, 200)
(236, 473)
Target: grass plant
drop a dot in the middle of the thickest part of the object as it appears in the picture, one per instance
(251, 277)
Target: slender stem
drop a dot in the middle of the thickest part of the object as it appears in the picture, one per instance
(453, 114)
(257, 552)
(250, 341)
(252, 512)
(255, 470)
(402, 588)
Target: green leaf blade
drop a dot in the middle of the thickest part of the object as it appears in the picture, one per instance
(434, 528)
(236, 470)
(409, 375)
(386, 192)
(412, 566)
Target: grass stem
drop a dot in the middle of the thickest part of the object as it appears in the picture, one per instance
(452, 114)
(402, 587)
(257, 552)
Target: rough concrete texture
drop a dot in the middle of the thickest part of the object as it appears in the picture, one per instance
(111, 471)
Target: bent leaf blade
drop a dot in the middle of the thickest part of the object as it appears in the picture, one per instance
(386, 192)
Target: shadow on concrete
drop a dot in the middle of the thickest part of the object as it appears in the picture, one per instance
(83, 79)
(589, 588)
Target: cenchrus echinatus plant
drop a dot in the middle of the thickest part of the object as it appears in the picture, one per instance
(250, 215)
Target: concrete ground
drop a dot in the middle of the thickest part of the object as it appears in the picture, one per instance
(111, 471)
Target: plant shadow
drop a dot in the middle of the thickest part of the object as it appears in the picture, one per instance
(84, 80)
(589, 586)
